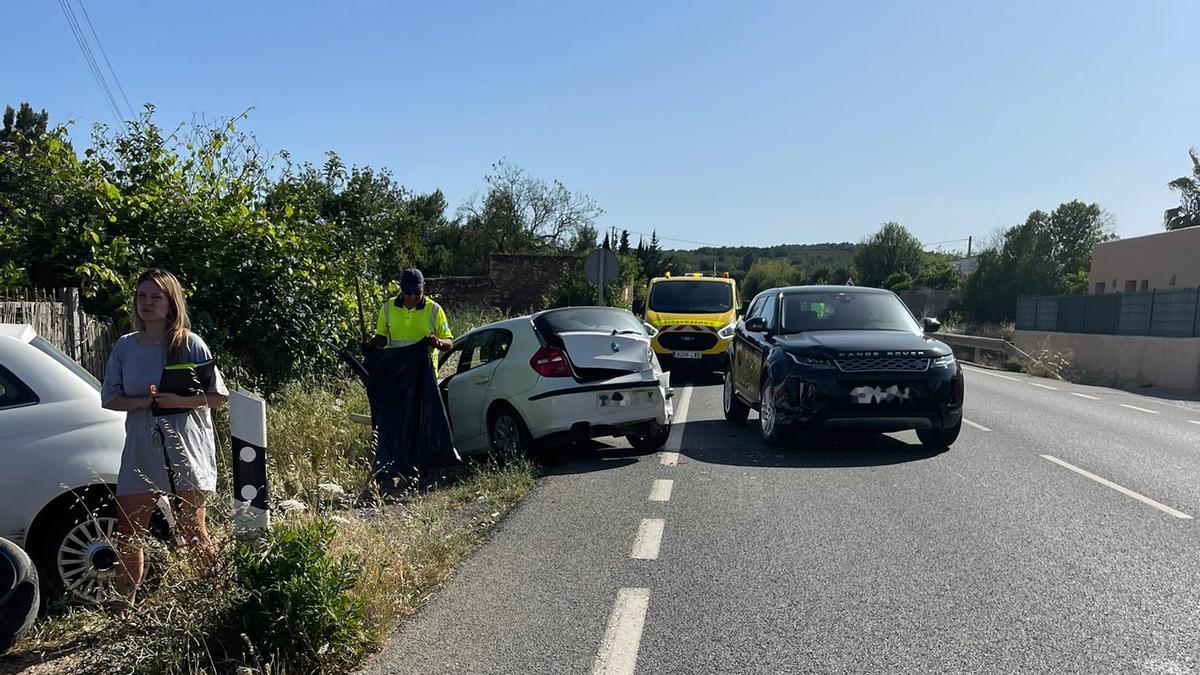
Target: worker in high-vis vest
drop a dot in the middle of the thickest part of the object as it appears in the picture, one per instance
(411, 317)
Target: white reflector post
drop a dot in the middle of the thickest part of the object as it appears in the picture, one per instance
(248, 427)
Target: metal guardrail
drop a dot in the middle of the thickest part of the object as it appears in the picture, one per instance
(973, 344)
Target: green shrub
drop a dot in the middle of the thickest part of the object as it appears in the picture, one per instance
(299, 610)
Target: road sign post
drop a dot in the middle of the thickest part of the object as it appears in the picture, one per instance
(601, 267)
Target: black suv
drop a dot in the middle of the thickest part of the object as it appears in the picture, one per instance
(842, 357)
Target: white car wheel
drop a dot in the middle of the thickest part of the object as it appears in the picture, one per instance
(86, 562)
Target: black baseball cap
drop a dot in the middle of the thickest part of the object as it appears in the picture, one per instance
(412, 281)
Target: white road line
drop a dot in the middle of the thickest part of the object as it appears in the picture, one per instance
(670, 454)
(1134, 407)
(661, 490)
(1090, 398)
(973, 424)
(988, 372)
(1044, 386)
(1123, 490)
(619, 648)
(648, 539)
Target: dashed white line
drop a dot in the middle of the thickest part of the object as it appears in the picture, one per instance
(1123, 490)
(990, 373)
(648, 539)
(1134, 407)
(661, 490)
(1044, 386)
(1090, 398)
(619, 648)
(975, 424)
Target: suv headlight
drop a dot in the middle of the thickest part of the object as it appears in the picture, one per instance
(946, 361)
(726, 332)
(810, 362)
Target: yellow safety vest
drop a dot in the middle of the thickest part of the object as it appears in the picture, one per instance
(403, 327)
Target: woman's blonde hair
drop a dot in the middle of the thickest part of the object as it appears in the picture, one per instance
(176, 331)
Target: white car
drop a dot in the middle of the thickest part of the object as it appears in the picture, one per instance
(59, 456)
(557, 376)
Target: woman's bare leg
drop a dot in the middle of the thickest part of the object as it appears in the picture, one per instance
(133, 518)
(191, 524)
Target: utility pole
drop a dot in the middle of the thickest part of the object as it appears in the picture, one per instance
(969, 238)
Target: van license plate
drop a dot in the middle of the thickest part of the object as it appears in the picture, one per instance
(687, 355)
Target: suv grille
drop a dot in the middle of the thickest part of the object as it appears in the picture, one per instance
(687, 340)
(868, 364)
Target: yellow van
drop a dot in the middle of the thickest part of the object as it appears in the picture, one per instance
(694, 316)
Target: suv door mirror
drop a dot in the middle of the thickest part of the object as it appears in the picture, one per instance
(931, 325)
(756, 325)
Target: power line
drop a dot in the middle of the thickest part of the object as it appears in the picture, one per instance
(73, 23)
(686, 241)
(88, 19)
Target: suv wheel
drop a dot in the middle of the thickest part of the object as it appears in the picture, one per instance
(769, 427)
(735, 410)
(939, 438)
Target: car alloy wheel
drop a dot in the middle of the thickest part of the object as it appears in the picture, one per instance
(87, 559)
(506, 436)
(766, 413)
(727, 391)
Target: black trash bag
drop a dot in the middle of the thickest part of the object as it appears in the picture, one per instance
(407, 413)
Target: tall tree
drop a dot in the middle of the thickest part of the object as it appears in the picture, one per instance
(624, 246)
(891, 251)
(1187, 214)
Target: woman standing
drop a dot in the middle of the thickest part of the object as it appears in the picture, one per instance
(169, 443)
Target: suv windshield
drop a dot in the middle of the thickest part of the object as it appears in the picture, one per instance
(691, 297)
(574, 319)
(67, 361)
(845, 310)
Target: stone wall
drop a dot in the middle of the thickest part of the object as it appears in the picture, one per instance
(514, 282)
(1122, 360)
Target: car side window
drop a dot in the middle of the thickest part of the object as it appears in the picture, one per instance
(497, 347)
(755, 308)
(474, 351)
(13, 392)
(768, 311)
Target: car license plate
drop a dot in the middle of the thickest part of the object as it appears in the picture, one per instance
(880, 394)
(687, 355)
(626, 399)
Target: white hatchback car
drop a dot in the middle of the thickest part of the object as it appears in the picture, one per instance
(557, 376)
(59, 456)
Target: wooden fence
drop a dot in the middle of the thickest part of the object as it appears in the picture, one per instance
(56, 316)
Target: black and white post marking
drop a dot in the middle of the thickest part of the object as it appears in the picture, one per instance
(248, 427)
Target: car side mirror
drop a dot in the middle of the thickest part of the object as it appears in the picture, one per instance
(931, 325)
(756, 325)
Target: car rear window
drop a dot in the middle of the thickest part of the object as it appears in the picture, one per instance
(53, 352)
(845, 310)
(575, 319)
(691, 297)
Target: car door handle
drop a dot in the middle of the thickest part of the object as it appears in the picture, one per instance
(483, 380)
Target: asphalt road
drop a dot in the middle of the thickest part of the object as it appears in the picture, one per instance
(1055, 536)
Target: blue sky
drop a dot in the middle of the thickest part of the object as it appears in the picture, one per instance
(723, 122)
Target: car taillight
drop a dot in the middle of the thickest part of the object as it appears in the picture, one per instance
(550, 362)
